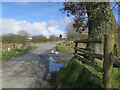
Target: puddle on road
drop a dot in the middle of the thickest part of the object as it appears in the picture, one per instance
(54, 65)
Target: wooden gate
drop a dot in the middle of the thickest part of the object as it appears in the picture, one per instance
(109, 58)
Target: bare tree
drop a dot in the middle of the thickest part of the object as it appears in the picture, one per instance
(23, 33)
(23, 36)
(53, 38)
(39, 38)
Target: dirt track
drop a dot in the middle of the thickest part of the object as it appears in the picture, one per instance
(28, 70)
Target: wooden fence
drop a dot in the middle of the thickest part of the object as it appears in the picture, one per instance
(109, 58)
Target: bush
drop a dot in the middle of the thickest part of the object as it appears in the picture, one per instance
(6, 42)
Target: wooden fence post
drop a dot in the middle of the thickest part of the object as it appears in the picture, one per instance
(115, 50)
(76, 44)
(107, 64)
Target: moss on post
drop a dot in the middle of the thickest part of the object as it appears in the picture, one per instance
(107, 64)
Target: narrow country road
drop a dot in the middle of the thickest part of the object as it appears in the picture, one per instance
(28, 70)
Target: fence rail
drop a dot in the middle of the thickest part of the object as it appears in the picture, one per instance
(92, 74)
(108, 58)
(99, 56)
(89, 63)
(115, 60)
(92, 40)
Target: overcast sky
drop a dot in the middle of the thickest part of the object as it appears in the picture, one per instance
(34, 17)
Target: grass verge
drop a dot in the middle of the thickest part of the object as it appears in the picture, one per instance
(63, 48)
(72, 75)
(6, 54)
(47, 42)
(67, 46)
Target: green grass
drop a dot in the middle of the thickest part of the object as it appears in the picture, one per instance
(63, 48)
(68, 46)
(115, 76)
(47, 41)
(3, 47)
(72, 75)
(7, 54)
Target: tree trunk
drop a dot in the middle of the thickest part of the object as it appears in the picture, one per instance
(119, 28)
(101, 21)
(118, 41)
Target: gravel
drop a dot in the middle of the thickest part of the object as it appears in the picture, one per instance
(31, 69)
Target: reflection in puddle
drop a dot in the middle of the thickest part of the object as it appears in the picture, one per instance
(53, 65)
